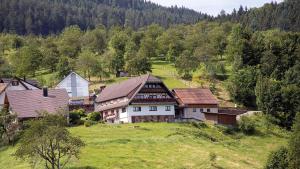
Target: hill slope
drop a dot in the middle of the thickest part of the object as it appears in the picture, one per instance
(162, 145)
(51, 16)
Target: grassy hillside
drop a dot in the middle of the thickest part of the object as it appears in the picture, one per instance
(162, 145)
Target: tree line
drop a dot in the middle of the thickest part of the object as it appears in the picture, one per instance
(284, 16)
(52, 16)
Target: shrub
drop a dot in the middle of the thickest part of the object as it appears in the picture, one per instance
(213, 158)
(247, 125)
(278, 159)
(95, 116)
(294, 149)
(89, 123)
(199, 124)
(74, 118)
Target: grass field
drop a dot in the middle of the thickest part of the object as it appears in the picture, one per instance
(162, 145)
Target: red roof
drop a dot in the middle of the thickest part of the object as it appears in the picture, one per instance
(26, 103)
(194, 96)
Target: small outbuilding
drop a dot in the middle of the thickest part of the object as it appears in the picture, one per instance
(201, 104)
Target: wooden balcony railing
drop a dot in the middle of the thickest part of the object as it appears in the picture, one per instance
(158, 100)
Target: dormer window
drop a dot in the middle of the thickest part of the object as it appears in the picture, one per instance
(15, 83)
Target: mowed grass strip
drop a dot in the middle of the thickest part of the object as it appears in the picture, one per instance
(163, 145)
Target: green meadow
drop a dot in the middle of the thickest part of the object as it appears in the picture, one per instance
(166, 145)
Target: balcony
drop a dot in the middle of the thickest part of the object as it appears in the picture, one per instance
(151, 100)
(153, 90)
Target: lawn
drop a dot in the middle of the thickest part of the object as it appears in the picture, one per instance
(163, 145)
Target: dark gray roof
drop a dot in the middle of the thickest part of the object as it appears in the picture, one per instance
(126, 88)
(26, 103)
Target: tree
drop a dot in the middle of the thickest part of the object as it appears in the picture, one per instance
(95, 40)
(50, 54)
(278, 159)
(5, 68)
(69, 44)
(294, 149)
(27, 60)
(63, 67)
(186, 63)
(118, 44)
(48, 139)
(241, 86)
(86, 62)
(8, 126)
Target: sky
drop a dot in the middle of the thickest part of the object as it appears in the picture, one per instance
(213, 7)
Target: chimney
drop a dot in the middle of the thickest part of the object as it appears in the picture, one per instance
(45, 91)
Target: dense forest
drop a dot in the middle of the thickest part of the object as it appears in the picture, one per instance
(285, 16)
(52, 16)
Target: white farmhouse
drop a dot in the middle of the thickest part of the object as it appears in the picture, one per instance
(75, 85)
(139, 99)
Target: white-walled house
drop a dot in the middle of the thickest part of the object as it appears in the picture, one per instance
(140, 99)
(10, 84)
(75, 85)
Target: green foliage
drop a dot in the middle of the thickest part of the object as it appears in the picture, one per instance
(89, 123)
(241, 86)
(294, 149)
(186, 63)
(26, 61)
(247, 125)
(63, 67)
(69, 44)
(9, 129)
(278, 159)
(94, 116)
(48, 140)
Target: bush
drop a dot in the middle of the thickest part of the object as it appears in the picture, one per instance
(74, 118)
(80, 112)
(95, 116)
(199, 124)
(89, 123)
(247, 125)
(278, 159)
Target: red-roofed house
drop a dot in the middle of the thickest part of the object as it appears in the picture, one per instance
(195, 102)
(200, 104)
(27, 103)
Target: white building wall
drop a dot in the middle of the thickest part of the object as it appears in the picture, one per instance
(124, 117)
(190, 114)
(82, 86)
(145, 111)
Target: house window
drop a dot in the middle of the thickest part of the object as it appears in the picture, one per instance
(153, 108)
(194, 109)
(208, 110)
(137, 109)
(15, 83)
(201, 110)
(152, 96)
(139, 96)
(123, 110)
(168, 108)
